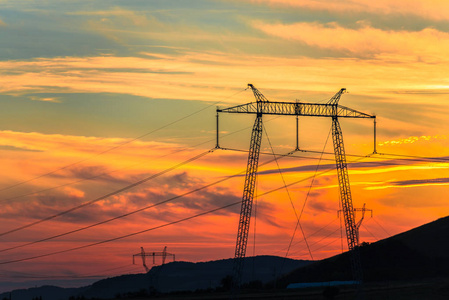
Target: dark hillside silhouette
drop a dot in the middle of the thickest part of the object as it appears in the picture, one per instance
(422, 252)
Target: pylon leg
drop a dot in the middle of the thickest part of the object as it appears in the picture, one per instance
(346, 200)
(247, 201)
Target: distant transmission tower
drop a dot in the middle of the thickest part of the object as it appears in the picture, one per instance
(144, 254)
(330, 109)
(359, 223)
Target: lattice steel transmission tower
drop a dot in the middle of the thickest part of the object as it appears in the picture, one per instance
(144, 254)
(363, 210)
(330, 109)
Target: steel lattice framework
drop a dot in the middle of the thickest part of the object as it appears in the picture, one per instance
(248, 190)
(247, 199)
(330, 109)
(346, 199)
(144, 254)
(297, 109)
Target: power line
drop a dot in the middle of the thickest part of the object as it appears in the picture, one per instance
(310, 235)
(318, 241)
(325, 237)
(330, 243)
(298, 224)
(119, 237)
(304, 179)
(107, 195)
(147, 207)
(107, 173)
(388, 234)
(120, 145)
(376, 238)
(314, 175)
(123, 215)
(157, 227)
(411, 157)
(383, 162)
(417, 158)
(304, 205)
(97, 176)
(318, 231)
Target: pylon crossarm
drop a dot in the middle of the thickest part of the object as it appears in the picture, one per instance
(296, 109)
(155, 254)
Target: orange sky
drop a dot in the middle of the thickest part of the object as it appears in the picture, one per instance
(99, 96)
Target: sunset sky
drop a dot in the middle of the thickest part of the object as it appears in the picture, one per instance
(98, 95)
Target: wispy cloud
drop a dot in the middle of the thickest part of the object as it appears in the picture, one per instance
(14, 148)
(208, 75)
(411, 183)
(365, 40)
(372, 167)
(412, 139)
(434, 10)
(46, 99)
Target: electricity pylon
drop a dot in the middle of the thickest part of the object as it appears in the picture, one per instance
(359, 223)
(144, 254)
(330, 109)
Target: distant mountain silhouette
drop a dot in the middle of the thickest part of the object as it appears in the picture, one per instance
(188, 276)
(45, 292)
(171, 277)
(422, 252)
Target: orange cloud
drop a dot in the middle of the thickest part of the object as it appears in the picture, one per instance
(366, 40)
(212, 76)
(413, 183)
(412, 139)
(46, 99)
(275, 218)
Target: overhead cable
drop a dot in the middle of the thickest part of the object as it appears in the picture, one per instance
(107, 195)
(123, 215)
(117, 238)
(120, 145)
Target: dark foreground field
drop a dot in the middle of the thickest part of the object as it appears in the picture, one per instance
(434, 289)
